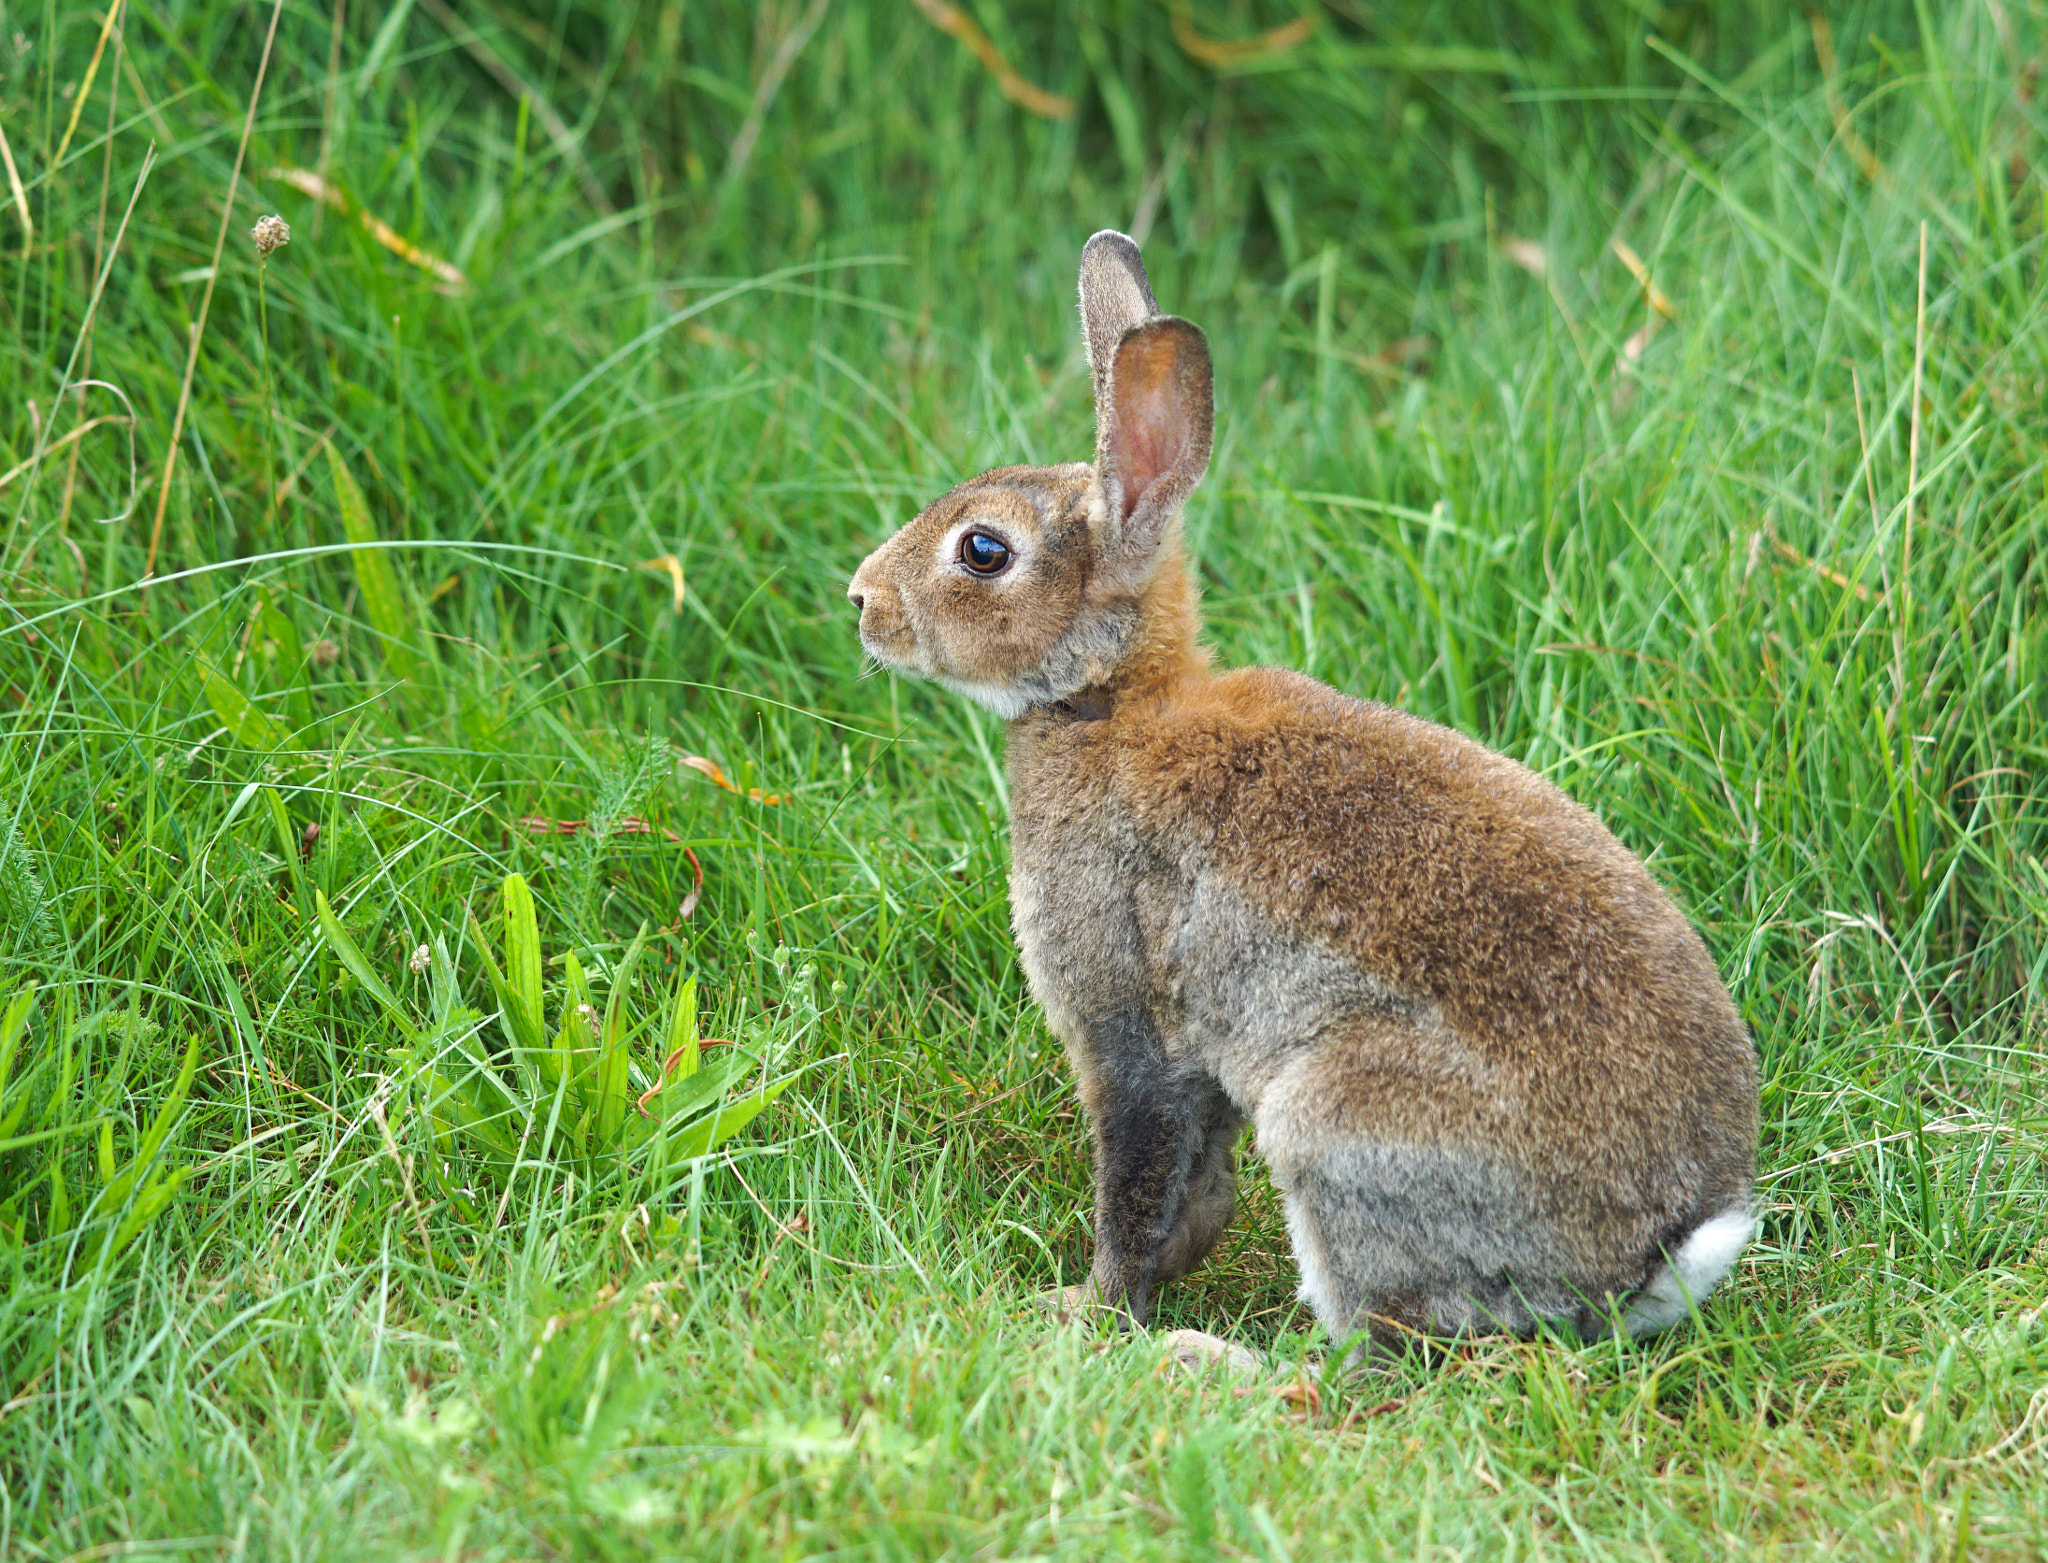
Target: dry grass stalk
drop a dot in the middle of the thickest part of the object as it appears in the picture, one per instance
(671, 566)
(99, 245)
(1903, 607)
(290, 481)
(1786, 551)
(1653, 295)
(1529, 255)
(1639, 340)
(951, 21)
(334, 34)
(1219, 52)
(306, 182)
(85, 86)
(28, 223)
(72, 382)
(793, 41)
(227, 216)
(1838, 111)
(710, 768)
(1535, 260)
(56, 445)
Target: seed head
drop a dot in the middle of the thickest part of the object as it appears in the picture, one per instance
(270, 233)
(422, 958)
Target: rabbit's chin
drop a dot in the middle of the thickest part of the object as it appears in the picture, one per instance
(1007, 701)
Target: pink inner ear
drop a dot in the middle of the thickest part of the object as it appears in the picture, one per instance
(1149, 430)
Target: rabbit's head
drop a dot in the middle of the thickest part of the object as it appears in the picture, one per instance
(1027, 585)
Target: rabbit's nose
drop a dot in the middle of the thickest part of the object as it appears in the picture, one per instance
(863, 584)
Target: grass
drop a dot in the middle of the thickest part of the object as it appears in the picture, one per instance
(1761, 581)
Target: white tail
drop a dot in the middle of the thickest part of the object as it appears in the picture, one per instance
(1695, 1270)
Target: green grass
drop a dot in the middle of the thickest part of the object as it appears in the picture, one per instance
(1780, 622)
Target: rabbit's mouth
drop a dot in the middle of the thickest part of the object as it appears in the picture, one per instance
(892, 645)
(898, 650)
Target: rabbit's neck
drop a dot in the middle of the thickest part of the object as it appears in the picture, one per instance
(1164, 656)
(1166, 653)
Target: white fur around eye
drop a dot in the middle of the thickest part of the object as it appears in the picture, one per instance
(949, 547)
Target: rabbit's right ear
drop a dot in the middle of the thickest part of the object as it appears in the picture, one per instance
(1115, 296)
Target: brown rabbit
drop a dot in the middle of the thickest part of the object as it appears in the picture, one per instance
(1493, 1069)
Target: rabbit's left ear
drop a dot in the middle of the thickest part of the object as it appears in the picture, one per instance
(1157, 419)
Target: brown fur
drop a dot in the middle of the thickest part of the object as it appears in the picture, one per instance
(1491, 1064)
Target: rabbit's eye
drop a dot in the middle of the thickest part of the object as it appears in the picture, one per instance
(984, 555)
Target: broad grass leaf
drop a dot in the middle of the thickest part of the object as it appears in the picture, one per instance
(521, 1027)
(150, 1195)
(353, 958)
(238, 714)
(474, 1104)
(612, 1060)
(289, 848)
(714, 1131)
(13, 1026)
(685, 1095)
(522, 950)
(286, 656)
(16, 1092)
(682, 1047)
(383, 599)
(149, 1204)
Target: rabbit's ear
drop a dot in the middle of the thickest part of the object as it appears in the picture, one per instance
(1152, 445)
(1114, 297)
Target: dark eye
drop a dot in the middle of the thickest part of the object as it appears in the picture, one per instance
(984, 555)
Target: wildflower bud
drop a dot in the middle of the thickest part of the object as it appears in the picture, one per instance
(323, 653)
(422, 958)
(270, 233)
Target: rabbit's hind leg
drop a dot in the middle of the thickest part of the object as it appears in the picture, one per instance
(1351, 1279)
(1403, 1224)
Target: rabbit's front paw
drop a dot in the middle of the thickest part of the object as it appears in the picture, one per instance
(1198, 1352)
(1070, 1304)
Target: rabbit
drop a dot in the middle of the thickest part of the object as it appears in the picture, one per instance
(1492, 1068)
